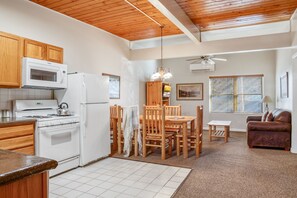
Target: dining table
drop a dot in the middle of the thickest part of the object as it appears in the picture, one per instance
(182, 121)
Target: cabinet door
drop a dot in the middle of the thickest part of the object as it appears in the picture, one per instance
(54, 54)
(10, 60)
(35, 49)
(154, 93)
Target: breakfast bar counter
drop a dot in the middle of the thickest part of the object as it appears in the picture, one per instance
(20, 173)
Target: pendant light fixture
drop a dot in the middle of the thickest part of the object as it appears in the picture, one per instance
(162, 73)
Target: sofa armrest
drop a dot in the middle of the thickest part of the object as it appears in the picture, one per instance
(253, 118)
(268, 126)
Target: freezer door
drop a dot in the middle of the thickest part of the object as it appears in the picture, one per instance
(95, 135)
(96, 88)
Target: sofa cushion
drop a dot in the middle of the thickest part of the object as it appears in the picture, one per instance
(269, 126)
(283, 116)
(264, 116)
(269, 117)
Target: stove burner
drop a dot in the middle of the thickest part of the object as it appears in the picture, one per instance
(38, 116)
(57, 115)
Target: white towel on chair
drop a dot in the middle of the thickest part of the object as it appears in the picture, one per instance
(130, 123)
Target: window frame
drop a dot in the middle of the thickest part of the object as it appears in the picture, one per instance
(235, 92)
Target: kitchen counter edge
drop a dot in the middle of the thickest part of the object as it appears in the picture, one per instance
(22, 167)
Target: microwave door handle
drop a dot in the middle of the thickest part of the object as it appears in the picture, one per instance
(62, 76)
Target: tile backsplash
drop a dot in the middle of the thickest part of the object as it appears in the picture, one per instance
(8, 95)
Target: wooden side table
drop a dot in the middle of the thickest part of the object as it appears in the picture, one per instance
(214, 132)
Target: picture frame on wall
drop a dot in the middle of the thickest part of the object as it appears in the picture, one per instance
(284, 87)
(114, 86)
(189, 91)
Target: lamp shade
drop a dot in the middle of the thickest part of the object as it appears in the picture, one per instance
(266, 99)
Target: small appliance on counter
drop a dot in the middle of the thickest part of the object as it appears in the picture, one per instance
(56, 137)
(87, 95)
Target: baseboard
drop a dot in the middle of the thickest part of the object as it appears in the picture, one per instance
(293, 150)
(231, 129)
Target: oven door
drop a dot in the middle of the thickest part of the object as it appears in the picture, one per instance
(59, 142)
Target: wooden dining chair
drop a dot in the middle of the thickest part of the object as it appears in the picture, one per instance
(194, 138)
(153, 127)
(173, 110)
(170, 128)
(113, 125)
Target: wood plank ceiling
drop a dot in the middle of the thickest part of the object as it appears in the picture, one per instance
(119, 18)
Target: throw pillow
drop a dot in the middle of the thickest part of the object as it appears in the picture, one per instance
(264, 116)
(269, 117)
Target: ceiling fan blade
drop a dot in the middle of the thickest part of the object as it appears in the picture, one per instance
(219, 59)
(210, 61)
(194, 59)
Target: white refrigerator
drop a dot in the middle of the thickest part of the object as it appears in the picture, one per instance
(87, 95)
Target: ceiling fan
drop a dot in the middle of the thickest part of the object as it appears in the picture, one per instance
(208, 59)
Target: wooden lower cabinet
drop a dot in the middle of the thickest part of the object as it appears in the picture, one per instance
(10, 60)
(34, 186)
(19, 138)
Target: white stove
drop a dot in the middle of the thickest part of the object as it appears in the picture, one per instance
(56, 137)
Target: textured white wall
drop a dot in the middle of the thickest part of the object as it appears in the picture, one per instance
(86, 48)
(284, 63)
(237, 64)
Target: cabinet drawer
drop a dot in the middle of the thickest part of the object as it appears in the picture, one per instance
(26, 150)
(18, 142)
(16, 131)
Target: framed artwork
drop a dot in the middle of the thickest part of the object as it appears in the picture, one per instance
(114, 86)
(189, 91)
(284, 88)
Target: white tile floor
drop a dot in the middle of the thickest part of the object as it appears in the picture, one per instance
(118, 178)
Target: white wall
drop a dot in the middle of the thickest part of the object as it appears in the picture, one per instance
(284, 64)
(86, 48)
(294, 104)
(237, 64)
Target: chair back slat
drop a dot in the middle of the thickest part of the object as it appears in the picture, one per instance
(173, 110)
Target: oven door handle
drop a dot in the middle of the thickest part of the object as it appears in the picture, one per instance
(53, 130)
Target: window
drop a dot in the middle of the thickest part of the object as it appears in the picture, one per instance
(240, 94)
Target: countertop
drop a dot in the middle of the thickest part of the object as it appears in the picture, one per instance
(15, 121)
(15, 166)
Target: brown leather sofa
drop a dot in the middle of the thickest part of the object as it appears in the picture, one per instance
(275, 133)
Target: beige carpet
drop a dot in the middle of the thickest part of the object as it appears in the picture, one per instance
(234, 170)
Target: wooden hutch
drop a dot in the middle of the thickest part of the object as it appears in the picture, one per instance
(157, 93)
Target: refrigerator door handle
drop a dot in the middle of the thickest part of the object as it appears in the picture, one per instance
(84, 90)
(86, 114)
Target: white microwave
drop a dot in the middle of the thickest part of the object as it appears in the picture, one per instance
(43, 74)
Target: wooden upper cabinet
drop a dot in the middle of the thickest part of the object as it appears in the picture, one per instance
(54, 54)
(43, 51)
(35, 49)
(10, 60)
